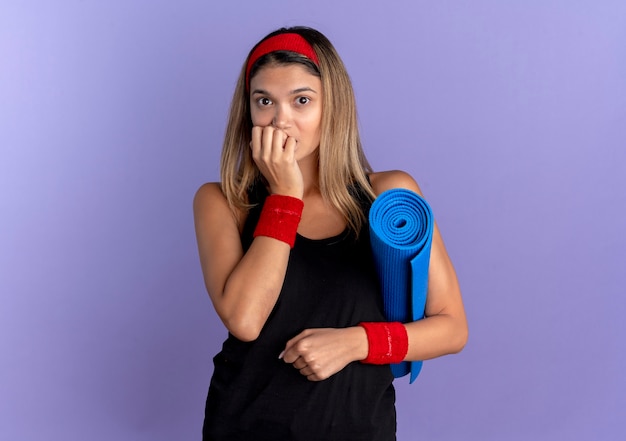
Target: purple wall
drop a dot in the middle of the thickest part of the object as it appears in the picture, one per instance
(511, 115)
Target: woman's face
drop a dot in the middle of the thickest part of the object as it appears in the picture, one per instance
(289, 98)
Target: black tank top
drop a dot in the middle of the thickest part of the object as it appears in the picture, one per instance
(255, 396)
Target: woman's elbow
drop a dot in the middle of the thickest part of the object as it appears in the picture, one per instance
(241, 320)
(460, 338)
(242, 328)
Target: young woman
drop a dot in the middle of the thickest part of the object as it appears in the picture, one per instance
(284, 247)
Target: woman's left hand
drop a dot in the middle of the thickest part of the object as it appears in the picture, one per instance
(322, 352)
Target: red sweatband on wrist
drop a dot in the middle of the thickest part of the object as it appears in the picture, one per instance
(279, 218)
(388, 342)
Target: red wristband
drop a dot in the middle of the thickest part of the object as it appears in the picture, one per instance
(279, 218)
(388, 342)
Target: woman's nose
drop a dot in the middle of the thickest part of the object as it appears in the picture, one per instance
(281, 118)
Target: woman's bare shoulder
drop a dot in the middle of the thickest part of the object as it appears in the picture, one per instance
(209, 194)
(210, 199)
(387, 180)
(210, 190)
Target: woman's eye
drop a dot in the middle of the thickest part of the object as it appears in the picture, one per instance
(264, 101)
(303, 100)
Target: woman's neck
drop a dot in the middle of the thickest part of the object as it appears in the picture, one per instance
(309, 167)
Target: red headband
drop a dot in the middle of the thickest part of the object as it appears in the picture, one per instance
(281, 42)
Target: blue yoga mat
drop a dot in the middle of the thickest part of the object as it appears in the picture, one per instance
(401, 231)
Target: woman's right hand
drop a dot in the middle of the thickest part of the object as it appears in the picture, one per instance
(274, 152)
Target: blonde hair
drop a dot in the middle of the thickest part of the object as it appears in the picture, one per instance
(343, 166)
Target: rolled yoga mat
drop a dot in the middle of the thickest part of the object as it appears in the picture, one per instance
(401, 232)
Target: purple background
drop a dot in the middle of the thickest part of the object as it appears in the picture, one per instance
(511, 116)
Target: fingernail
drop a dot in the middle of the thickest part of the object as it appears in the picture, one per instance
(280, 356)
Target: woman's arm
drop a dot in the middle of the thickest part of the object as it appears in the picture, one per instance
(444, 328)
(243, 287)
(319, 353)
